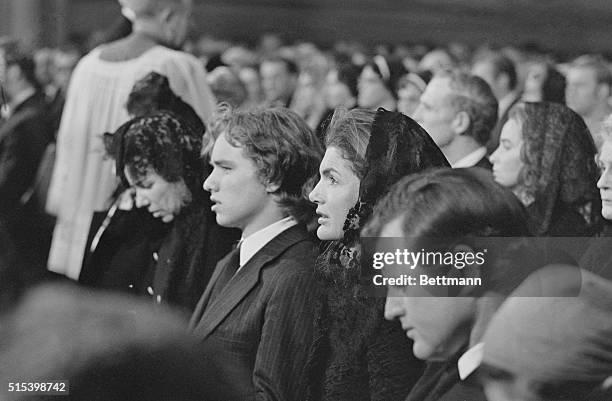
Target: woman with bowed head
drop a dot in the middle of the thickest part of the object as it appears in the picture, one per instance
(83, 181)
(546, 156)
(357, 355)
(158, 156)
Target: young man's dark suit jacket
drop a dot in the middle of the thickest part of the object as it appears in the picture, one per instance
(256, 333)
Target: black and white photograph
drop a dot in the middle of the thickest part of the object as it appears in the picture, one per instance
(306, 200)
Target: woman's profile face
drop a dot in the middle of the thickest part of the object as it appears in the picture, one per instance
(507, 162)
(335, 193)
(163, 199)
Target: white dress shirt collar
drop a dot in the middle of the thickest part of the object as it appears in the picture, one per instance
(250, 245)
(470, 360)
(470, 159)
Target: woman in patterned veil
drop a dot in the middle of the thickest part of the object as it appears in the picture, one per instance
(357, 355)
(547, 157)
(158, 157)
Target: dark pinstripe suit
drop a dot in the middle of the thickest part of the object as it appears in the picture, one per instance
(257, 332)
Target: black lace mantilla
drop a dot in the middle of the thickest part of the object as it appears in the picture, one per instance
(398, 147)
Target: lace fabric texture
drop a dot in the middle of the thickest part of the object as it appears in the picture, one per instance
(357, 354)
(560, 171)
(398, 147)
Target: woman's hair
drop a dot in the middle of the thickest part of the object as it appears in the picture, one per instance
(553, 87)
(162, 142)
(559, 163)
(349, 131)
(282, 146)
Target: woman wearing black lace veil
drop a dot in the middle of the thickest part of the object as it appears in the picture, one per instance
(124, 239)
(158, 157)
(357, 355)
(547, 157)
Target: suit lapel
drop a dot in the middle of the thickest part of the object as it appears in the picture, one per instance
(203, 302)
(243, 282)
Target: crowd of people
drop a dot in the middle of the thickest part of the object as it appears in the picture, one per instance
(194, 219)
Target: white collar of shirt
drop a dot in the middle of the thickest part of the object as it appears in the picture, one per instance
(22, 97)
(471, 159)
(250, 245)
(470, 360)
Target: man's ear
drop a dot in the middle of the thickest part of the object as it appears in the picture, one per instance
(461, 123)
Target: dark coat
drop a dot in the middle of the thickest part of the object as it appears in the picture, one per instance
(24, 136)
(256, 332)
(357, 354)
(170, 262)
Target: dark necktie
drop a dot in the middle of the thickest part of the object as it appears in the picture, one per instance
(230, 268)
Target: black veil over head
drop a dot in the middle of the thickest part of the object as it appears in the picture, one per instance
(398, 146)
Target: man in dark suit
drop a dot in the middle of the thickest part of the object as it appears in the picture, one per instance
(255, 318)
(459, 111)
(24, 136)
